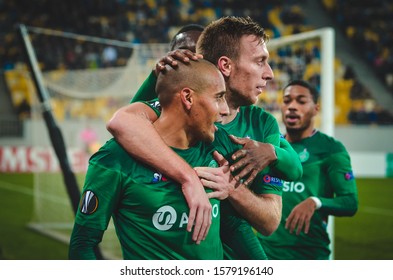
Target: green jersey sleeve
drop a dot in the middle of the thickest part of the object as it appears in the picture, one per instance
(341, 178)
(147, 91)
(239, 240)
(84, 242)
(154, 104)
(100, 194)
(287, 165)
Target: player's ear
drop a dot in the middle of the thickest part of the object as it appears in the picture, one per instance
(224, 64)
(316, 109)
(186, 95)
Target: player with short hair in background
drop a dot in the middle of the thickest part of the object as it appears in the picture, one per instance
(328, 186)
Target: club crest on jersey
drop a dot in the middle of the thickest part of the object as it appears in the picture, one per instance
(156, 104)
(213, 163)
(349, 176)
(89, 203)
(158, 177)
(304, 155)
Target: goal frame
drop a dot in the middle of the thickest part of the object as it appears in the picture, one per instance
(327, 37)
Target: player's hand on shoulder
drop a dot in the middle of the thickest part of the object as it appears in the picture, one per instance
(252, 158)
(219, 179)
(172, 59)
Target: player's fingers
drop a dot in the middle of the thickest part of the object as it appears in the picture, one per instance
(239, 154)
(237, 140)
(199, 226)
(184, 55)
(306, 226)
(244, 172)
(191, 218)
(216, 194)
(170, 61)
(208, 222)
(291, 224)
(220, 158)
(209, 175)
(251, 178)
(160, 66)
(200, 171)
(300, 226)
(209, 184)
(204, 170)
(198, 55)
(238, 165)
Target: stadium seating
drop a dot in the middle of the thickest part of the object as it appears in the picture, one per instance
(153, 21)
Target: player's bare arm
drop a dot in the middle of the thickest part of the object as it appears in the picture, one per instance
(262, 211)
(132, 125)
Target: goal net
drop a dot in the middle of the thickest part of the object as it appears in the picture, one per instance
(88, 79)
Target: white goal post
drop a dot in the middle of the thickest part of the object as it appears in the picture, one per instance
(327, 38)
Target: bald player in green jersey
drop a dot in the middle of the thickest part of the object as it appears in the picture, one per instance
(327, 187)
(243, 61)
(149, 211)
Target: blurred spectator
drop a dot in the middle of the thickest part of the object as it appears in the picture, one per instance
(109, 56)
(89, 138)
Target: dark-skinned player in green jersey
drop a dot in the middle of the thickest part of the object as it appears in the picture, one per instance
(327, 187)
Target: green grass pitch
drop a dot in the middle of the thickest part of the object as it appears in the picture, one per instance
(366, 236)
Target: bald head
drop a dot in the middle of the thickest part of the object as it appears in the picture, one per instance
(196, 75)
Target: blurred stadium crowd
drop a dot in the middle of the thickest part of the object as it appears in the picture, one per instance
(367, 24)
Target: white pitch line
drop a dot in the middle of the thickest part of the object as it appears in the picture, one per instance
(15, 188)
(27, 191)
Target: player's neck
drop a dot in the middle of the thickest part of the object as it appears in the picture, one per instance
(233, 105)
(298, 135)
(172, 132)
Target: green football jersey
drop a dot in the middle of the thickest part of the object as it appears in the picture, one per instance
(253, 122)
(149, 211)
(147, 91)
(236, 233)
(257, 124)
(327, 174)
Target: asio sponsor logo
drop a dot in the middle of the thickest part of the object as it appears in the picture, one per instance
(89, 203)
(167, 217)
(297, 187)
